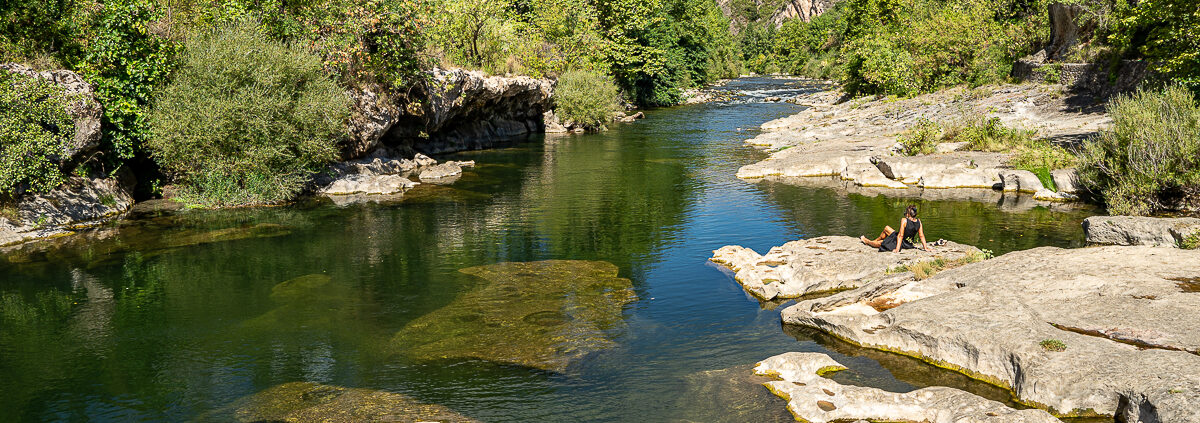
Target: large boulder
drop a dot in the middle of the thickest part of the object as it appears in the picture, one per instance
(813, 398)
(823, 264)
(85, 111)
(1091, 331)
(452, 110)
(76, 203)
(1140, 230)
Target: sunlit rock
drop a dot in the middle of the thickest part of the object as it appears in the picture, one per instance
(1089, 331)
(822, 264)
(815, 399)
(540, 314)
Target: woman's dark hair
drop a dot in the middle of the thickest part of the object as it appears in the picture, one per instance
(911, 211)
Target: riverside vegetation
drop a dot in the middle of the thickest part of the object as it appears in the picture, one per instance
(145, 60)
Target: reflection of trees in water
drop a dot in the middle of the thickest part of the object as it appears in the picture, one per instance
(817, 211)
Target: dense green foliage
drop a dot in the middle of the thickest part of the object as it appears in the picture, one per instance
(1149, 160)
(247, 119)
(1167, 32)
(35, 129)
(906, 47)
(586, 98)
(652, 49)
(921, 138)
(125, 62)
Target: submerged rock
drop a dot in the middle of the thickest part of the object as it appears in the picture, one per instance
(1091, 331)
(541, 314)
(815, 399)
(1139, 230)
(822, 264)
(312, 402)
(734, 395)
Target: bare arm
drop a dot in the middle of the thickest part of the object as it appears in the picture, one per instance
(921, 232)
(900, 235)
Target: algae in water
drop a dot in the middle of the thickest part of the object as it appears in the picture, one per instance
(311, 402)
(541, 315)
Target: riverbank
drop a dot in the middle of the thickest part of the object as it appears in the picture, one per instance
(852, 144)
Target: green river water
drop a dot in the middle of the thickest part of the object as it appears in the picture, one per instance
(176, 316)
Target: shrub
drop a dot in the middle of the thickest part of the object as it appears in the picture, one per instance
(586, 98)
(876, 65)
(1165, 32)
(1053, 345)
(1149, 159)
(35, 129)
(126, 62)
(246, 119)
(921, 138)
(989, 134)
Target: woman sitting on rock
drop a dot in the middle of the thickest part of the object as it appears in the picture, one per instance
(889, 239)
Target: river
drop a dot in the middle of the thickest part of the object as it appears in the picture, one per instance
(169, 316)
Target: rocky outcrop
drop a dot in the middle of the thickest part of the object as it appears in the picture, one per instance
(824, 264)
(856, 141)
(79, 202)
(804, 10)
(813, 398)
(453, 110)
(384, 175)
(1139, 230)
(1092, 331)
(85, 111)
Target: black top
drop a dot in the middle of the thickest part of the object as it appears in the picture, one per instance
(910, 231)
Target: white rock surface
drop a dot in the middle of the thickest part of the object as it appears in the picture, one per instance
(820, 265)
(1127, 316)
(815, 399)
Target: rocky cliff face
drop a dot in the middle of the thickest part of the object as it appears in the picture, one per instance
(777, 12)
(455, 110)
(804, 10)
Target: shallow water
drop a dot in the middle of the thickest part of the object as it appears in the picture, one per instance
(167, 317)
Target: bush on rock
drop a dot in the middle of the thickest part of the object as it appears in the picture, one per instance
(586, 98)
(246, 120)
(1149, 160)
(35, 130)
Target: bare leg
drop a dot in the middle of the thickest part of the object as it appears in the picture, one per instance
(887, 230)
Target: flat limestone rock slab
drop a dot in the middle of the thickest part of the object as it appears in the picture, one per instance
(829, 138)
(1139, 230)
(1126, 316)
(821, 264)
(815, 399)
(313, 402)
(542, 315)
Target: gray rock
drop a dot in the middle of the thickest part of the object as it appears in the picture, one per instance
(815, 399)
(1125, 315)
(1066, 180)
(1021, 181)
(444, 170)
(821, 264)
(1139, 230)
(454, 110)
(552, 124)
(85, 111)
(77, 203)
(950, 147)
(370, 184)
